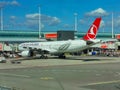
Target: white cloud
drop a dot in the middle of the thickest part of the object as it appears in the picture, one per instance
(12, 17)
(67, 26)
(15, 3)
(7, 3)
(97, 12)
(49, 20)
(53, 21)
(32, 16)
(102, 24)
(32, 21)
(33, 24)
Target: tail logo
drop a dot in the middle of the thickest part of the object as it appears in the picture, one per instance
(92, 32)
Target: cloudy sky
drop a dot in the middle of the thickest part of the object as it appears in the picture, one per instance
(59, 14)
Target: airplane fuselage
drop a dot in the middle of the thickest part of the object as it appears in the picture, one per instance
(55, 46)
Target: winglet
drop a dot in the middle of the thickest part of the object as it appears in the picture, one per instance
(92, 32)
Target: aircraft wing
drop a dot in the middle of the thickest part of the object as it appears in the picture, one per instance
(91, 43)
(64, 46)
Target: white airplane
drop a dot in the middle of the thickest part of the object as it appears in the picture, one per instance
(61, 47)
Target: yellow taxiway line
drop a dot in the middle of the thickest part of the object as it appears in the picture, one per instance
(106, 82)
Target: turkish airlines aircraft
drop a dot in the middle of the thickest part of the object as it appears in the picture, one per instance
(61, 47)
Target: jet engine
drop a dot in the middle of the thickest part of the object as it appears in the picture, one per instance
(28, 53)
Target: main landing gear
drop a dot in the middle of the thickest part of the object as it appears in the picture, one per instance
(62, 56)
(43, 56)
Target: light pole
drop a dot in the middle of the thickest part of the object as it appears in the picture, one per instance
(1, 10)
(75, 14)
(39, 21)
(112, 27)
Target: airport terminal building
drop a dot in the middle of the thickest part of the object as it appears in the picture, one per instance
(22, 36)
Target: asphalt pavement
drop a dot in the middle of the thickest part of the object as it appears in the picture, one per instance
(80, 73)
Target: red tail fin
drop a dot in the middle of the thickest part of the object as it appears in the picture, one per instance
(92, 32)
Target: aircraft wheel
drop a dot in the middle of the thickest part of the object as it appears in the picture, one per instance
(62, 56)
(43, 57)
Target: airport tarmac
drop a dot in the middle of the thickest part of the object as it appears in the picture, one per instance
(71, 60)
(82, 73)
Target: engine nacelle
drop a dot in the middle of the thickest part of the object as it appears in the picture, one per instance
(27, 53)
